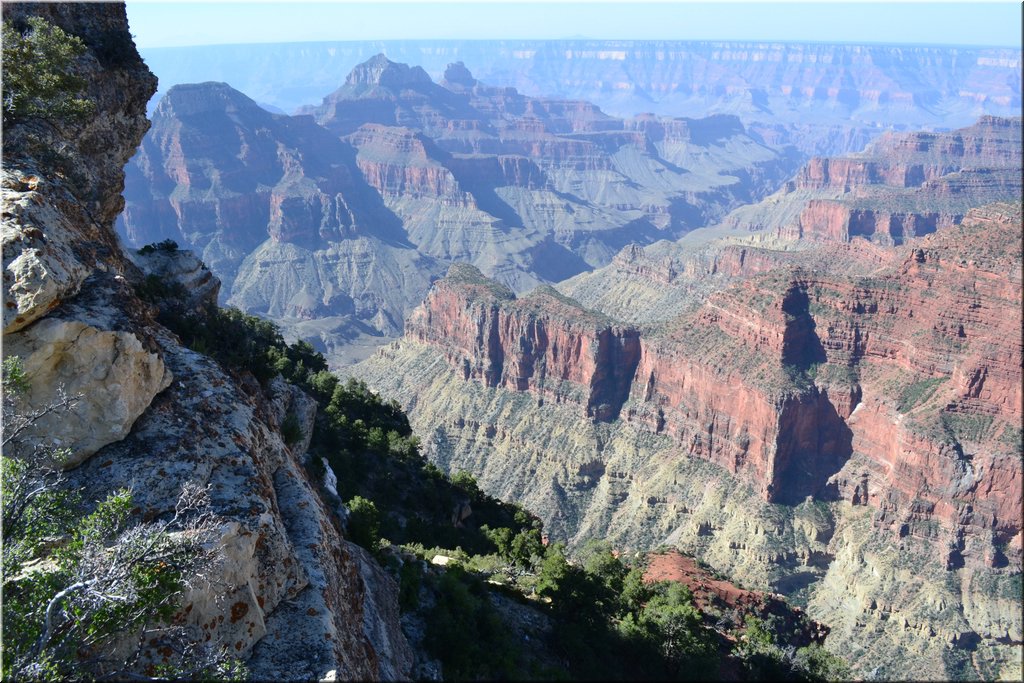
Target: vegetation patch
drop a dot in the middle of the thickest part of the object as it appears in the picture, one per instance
(967, 426)
(38, 73)
(918, 393)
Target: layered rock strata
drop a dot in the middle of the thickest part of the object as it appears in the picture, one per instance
(335, 227)
(542, 343)
(880, 407)
(903, 186)
(279, 210)
(288, 596)
(800, 353)
(828, 99)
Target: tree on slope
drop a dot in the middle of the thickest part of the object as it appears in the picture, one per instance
(82, 592)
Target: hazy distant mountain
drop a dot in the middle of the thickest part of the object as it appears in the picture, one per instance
(859, 86)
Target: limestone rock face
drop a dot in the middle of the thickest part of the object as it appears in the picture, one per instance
(38, 272)
(53, 234)
(289, 596)
(113, 375)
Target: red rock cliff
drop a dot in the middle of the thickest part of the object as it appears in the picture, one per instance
(543, 343)
(907, 185)
(900, 390)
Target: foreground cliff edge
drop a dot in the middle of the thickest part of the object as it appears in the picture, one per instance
(291, 598)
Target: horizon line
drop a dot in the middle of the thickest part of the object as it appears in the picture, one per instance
(1018, 48)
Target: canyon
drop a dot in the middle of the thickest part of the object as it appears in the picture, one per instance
(863, 417)
(334, 223)
(734, 335)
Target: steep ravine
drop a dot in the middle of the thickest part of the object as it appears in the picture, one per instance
(292, 598)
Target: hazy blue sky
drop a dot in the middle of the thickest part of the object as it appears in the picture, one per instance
(162, 24)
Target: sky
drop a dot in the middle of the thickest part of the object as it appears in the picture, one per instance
(169, 24)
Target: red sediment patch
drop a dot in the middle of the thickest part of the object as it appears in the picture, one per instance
(674, 566)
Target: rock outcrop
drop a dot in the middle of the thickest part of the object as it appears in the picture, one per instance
(109, 374)
(289, 596)
(542, 343)
(38, 272)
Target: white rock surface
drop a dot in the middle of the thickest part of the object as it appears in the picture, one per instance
(113, 375)
(40, 267)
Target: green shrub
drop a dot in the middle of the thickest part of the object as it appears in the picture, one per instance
(168, 245)
(155, 289)
(291, 430)
(363, 523)
(465, 482)
(466, 633)
(242, 342)
(818, 664)
(38, 80)
(14, 379)
(761, 656)
(670, 624)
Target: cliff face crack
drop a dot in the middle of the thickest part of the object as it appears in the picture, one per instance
(801, 346)
(494, 350)
(617, 358)
(813, 444)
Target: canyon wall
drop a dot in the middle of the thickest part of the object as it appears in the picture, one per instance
(903, 186)
(335, 222)
(542, 343)
(869, 415)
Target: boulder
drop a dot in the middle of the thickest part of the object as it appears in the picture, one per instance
(110, 372)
